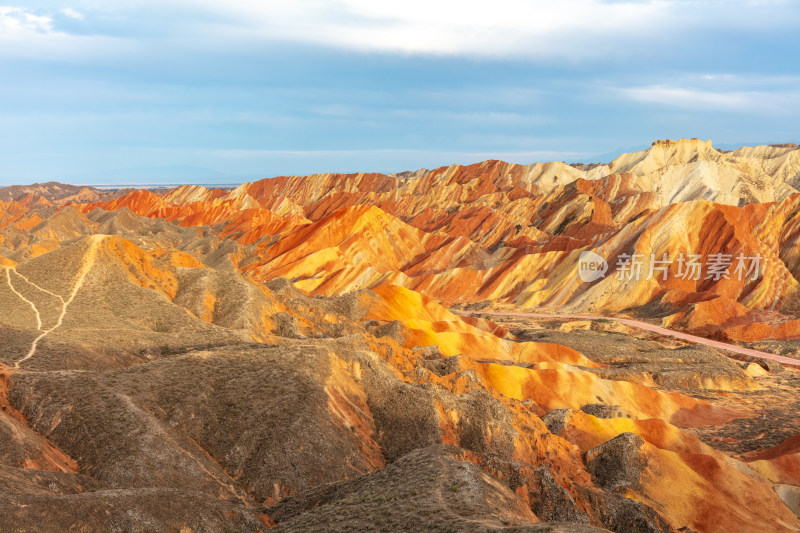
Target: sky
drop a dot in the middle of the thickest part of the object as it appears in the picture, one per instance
(147, 91)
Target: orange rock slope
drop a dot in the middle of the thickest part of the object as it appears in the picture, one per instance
(687, 481)
(512, 235)
(515, 408)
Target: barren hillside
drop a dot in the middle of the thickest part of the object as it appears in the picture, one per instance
(317, 354)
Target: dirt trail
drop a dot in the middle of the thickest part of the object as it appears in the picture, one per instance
(14, 290)
(660, 331)
(86, 266)
(32, 284)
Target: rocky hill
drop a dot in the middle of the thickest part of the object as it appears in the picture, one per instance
(310, 354)
(504, 234)
(51, 193)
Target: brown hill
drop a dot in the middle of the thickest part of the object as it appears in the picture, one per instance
(283, 354)
(51, 193)
(189, 377)
(512, 235)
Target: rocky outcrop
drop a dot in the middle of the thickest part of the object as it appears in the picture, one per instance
(617, 463)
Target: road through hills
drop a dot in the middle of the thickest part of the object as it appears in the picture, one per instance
(661, 331)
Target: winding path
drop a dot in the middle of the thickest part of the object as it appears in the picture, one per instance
(22, 297)
(86, 266)
(661, 331)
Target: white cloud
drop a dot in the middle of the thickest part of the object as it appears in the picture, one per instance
(16, 20)
(71, 13)
(688, 98)
(29, 34)
(572, 29)
(522, 28)
(720, 92)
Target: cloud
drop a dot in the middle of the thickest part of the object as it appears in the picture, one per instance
(521, 28)
(688, 98)
(575, 29)
(71, 13)
(16, 20)
(720, 92)
(35, 34)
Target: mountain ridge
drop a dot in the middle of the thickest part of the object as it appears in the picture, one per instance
(292, 353)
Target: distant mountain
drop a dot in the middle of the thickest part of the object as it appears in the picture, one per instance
(52, 191)
(609, 156)
(153, 175)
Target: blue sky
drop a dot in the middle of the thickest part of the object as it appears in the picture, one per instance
(209, 91)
